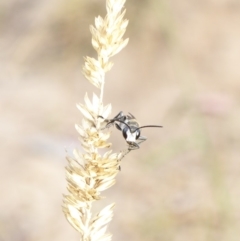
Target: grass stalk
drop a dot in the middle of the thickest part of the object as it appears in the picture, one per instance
(88, 173)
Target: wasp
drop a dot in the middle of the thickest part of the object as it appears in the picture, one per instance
(130, 129)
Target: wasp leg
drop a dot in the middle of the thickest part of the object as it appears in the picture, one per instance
(120, 118)
(118, 126)
(133, 146)
(142, 139)
(110, 122)
(124, 153)
(119, 115)
(131, 115)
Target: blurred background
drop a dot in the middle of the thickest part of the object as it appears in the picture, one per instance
(180, 70)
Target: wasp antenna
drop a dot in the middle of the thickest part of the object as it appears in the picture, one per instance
(124, 123)
(132, 115)
(149, 126)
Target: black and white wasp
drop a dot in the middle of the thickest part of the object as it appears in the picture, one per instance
(130, 129)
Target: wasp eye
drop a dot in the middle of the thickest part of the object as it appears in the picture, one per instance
(124, 132)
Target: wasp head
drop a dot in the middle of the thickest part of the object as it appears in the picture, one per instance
(131, 134)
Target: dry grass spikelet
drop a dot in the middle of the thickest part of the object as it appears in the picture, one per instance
(89, 173)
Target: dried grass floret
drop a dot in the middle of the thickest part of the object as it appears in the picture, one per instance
(89, 173)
